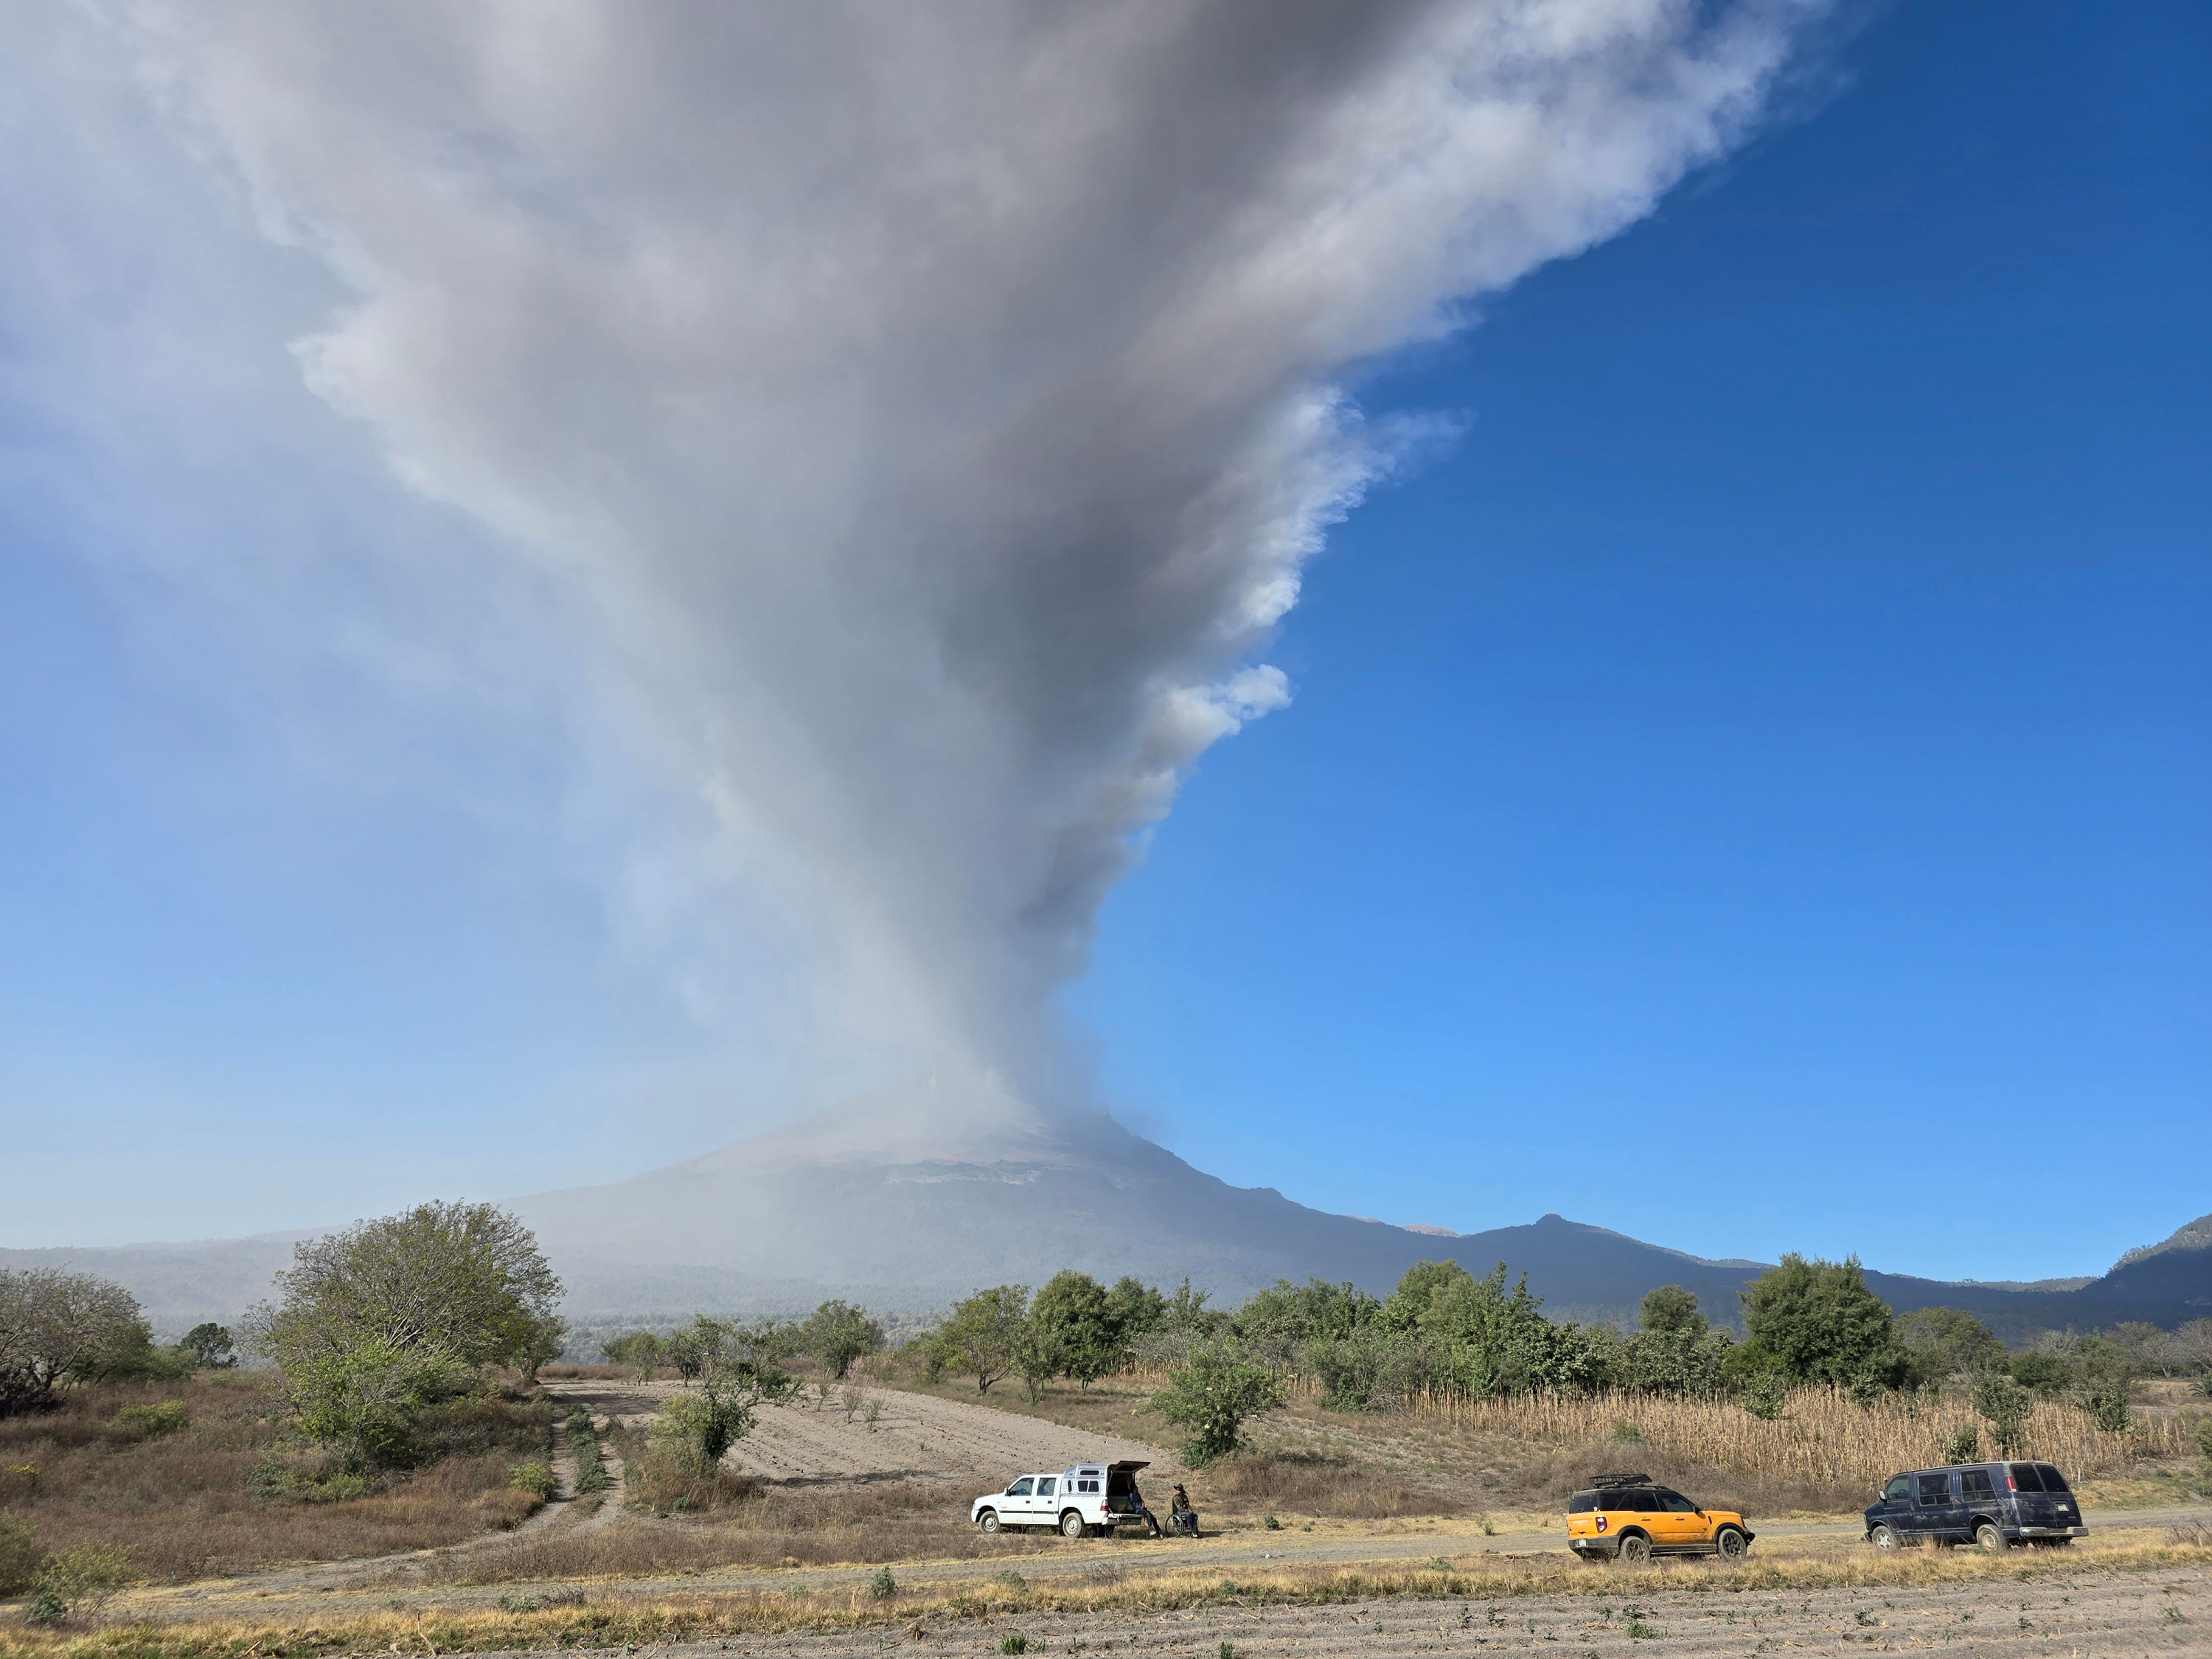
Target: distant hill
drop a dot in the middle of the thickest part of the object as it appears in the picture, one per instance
(906, 1200)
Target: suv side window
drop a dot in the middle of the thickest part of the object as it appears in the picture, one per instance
(1934, 1489)
(1621, 1500)
(1898, 1491)
(1678, 1504)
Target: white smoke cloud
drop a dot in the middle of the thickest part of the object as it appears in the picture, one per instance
(926, 412)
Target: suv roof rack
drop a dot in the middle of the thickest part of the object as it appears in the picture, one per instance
(1622, 1480)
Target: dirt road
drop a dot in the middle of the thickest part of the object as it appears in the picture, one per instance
(912, 1437)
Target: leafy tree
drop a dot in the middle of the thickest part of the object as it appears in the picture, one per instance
(547, 1341)
(1136, 1308)
(1186, 1312)
(686, 1350)
(55, 1326)
(1212, 1395)
(209, 1347)
(838, 1335)
(2046, 1374)
(1946, 1342)
(1076, 1327)
(464, 1281)
(1816, 1322)
(639, 1351)
(2004, 1405)
(1670, 1310)
(983, 1336)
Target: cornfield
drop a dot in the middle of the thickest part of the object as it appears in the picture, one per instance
(1822, 1437)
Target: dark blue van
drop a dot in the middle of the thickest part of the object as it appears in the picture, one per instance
(1994, 1505)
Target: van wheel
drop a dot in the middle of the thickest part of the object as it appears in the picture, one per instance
(988, 1520)
(1730, 1545)
(1635, 1550)
(1987, 1539)
(1071, 1524)
(1882, 1539)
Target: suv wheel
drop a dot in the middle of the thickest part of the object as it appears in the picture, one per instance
(1988, 1538)
(988, 1520)
(1071, 1524)
(1882, 1539)
(1729, 1545)
(1635, 1550)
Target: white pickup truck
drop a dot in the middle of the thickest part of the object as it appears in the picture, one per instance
(1091, 1497)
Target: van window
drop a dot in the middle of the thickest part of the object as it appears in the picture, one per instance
(1975, 1483)
(2025, 1478)
(1935, 1489)
(1897, 1490)
(1581, 1502)
(2052, 1480)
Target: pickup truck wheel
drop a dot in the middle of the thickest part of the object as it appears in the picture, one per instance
(1987, 1539)
(1730, 1545)
(988, 1520)
(1882, 1539)
(1635, 1550)
(1071, 1524)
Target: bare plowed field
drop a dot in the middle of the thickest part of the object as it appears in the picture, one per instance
(916, 1437)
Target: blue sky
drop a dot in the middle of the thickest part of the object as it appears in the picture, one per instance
(1758, 779)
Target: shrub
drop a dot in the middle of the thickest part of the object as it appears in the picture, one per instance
(277, 1478)
(536, 1479)
(883, 1586)
(2203, 1435)
(148, 1422)
(22, 1555)
(2004, 1405)
(584, 1441)
(1961, 1446)
(2109, 1406)
(1211, 1396)
(79, 1582)
(1013, 1642)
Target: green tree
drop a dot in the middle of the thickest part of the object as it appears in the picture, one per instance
(1946, 1342)
(1212, 1395)
(1076, 1327)
(686, 1350)
(839, 1334)
(2004, 1405)
(464, 1281)
(639, 1350)
(982, 1337)
(1816, 1322)
(2046, 1374)
(57, 1325)
(1137, 1310)
(211, 1347)
(1670, 1310)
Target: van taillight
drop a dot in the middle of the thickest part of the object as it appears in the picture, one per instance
(2011, 1485)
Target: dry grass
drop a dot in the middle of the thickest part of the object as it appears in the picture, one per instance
(1321, 1487)
(766, 1526)
(1822, 1445)
(611, 1620)
(180, 1501)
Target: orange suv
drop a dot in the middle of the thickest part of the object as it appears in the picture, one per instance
(1632, 1518)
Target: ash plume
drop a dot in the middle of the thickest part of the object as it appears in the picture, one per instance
(926, 412)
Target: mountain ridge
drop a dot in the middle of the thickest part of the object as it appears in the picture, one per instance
(905, 1200)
